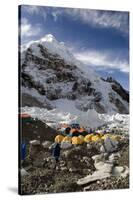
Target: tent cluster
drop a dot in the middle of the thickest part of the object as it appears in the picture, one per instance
(75, 134)
(72, 130)
(88, 138)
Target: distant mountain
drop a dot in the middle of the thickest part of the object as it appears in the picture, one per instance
(51, 75)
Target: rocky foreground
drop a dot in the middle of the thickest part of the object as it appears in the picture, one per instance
(81, 168)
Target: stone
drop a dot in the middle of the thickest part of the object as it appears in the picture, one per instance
(110, 145)
(114, 157)
(87, 160)
(66, 145)
(104, 167)
(24, 172)
(97, 175)
(72, 170)
(120, 171)
(98, 158)
(46, 144)
(103, 170)
(102, 149)
(62, 163)
(34, 142)
(64, 168)
(34, 149)
(89, 146)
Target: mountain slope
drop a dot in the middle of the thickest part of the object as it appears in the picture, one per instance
(51, 76)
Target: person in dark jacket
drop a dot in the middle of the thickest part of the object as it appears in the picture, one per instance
(55, 149)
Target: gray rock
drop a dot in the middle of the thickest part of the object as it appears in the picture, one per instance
(104, 167)
(34, 149)
(24, 172)
(89, 146)
(64, 168)
(72, 170)
(110, 145)
(34, 142)
(46, 144)
(97, 175)
(120, 171)
(114, 158)
(66, 145)
(98, 158)
(102, 149)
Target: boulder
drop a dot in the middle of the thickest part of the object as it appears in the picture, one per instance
(23, 172)
(46, 144)
(104, 167)
(109, 145)
(89, 146)
(114, 158)
(34, 142)
(98, 158)
(120, 171)
(35, 148)
(97, 175)
(66, 145)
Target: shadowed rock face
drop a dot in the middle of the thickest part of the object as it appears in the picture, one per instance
(29, 101)
(35, 129)
(118, 89)
(121, 108)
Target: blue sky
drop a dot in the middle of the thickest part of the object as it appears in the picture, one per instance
(98, 38)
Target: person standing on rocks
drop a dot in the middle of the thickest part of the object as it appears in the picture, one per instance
(55, 149)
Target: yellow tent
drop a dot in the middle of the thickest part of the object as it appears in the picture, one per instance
(95, 138)
(105, 136)
(59, 138)
(115, 137)
(81, 137)
(88, 137)
(67, 139)
(77, 140)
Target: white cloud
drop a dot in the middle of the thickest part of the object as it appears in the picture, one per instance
(56, 13)
(32, 9)
(106, 19)
(36, 10)
(27, 30)
(102, 60)
(97, 18)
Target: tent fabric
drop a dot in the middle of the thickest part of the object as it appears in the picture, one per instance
(59, 138)
(77, 140)
(67, 139)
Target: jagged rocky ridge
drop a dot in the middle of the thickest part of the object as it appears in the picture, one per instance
(49, 72)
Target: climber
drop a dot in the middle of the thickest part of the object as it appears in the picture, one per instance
(55, 150)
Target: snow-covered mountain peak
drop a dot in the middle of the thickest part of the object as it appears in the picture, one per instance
(53, 46)
(51, 72)
(48, 38)
(59, 48)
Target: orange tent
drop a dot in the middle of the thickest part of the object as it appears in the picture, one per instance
(73, 130)
(81, 130)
